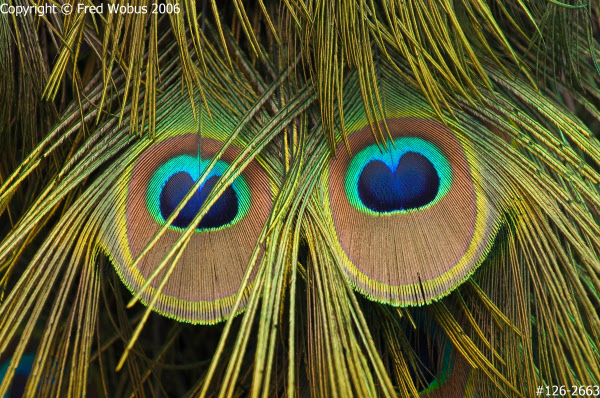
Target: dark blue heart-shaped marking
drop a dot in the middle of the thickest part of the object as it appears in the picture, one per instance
(17, 389)
(19, 381)
(222, 212)
(415, 183)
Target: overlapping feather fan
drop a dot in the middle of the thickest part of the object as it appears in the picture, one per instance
(395, 198)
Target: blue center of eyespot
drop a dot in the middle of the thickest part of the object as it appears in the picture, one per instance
(434, 361)
(221, 213)
(412, 174)
(171, 182)
(414, 184)
(19, 381)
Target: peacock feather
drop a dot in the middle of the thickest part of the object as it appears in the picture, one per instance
(300, 198)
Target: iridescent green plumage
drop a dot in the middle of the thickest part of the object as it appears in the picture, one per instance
(278, 95)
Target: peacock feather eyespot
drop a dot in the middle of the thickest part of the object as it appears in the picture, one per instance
(412, 174)
(172, 181)
(411, 218)
(210, 271)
